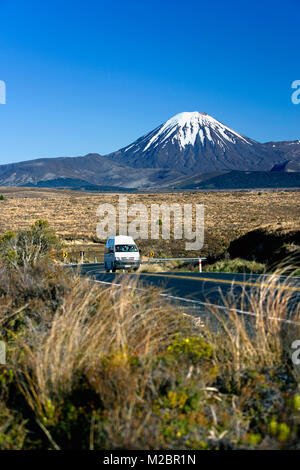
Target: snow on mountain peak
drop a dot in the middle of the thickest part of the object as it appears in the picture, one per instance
(187, 126)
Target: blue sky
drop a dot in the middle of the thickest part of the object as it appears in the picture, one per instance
(92, 76)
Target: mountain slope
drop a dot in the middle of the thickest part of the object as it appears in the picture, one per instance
(288, 155)
(43, 169)
(288, 166)
(286, 149)
(240, 180)
(194, 142)
(92, 168)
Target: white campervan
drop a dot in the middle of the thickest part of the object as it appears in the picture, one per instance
(121, 252)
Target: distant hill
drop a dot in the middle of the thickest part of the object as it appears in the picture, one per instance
(242, 180)
(77, 172)
(72, 183)
(288, 165)
(287, 150)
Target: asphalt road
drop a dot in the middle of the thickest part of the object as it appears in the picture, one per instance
(201, 288)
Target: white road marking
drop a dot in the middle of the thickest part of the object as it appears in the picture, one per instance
(221, 307)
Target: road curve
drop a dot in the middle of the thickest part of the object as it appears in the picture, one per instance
(205, 287)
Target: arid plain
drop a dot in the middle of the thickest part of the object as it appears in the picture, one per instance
(228, 216)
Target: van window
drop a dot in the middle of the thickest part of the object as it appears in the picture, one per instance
(125, 248)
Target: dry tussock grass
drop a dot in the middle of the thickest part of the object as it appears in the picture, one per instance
(119, 367)
(91, 324)
(262, 335)
(228, 215)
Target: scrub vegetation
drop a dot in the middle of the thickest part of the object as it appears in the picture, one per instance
(93, 367)
(253, 225)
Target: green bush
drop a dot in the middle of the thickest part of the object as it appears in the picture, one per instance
(236, 266)
(28, 246)
(193, 348)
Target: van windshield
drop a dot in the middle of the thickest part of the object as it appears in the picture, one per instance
(125, 248)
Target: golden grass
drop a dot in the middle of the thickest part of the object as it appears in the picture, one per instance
(148, 376)
(92, 324)
(227, 214)
(119, 367)
(262, 336)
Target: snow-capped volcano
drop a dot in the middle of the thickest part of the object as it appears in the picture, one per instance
(185, 128)
(188, 150)
(194, 142)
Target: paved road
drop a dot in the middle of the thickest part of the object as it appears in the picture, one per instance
(204, 287)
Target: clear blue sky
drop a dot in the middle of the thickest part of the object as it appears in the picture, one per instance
(92, 76)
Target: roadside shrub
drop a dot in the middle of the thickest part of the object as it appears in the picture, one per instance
(28, 246)
(12, 429)
(236, 266)
(193, 348)
(30, 294)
